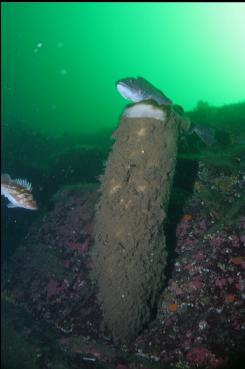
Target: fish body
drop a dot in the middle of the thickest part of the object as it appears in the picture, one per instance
(18, 192)
(139, 89)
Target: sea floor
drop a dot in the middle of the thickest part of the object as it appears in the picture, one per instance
(50, 314)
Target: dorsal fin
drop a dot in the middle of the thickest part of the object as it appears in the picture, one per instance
(23, 183)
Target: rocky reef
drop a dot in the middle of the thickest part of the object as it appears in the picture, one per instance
(200, 312)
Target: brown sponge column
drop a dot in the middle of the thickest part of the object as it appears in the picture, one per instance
(130, 252)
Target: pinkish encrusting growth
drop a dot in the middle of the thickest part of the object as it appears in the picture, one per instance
(200, 315)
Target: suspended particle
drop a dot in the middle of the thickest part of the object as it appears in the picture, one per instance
(63, 72)
(60, 44)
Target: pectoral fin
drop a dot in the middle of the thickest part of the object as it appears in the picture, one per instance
(205, 133)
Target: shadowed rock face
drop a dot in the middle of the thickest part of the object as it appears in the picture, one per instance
(130, 251)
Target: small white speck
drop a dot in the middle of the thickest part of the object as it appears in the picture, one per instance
(39, 44)
(219, 310)
(202, 324)
(89, 358)
(63, 72)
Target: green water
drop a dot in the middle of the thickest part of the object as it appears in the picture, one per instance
(60, 61)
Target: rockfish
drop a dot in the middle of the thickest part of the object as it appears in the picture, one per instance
(18, 192)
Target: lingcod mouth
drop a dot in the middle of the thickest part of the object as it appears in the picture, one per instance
(126, 82)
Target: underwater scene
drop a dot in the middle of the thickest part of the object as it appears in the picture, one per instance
(122, 185)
